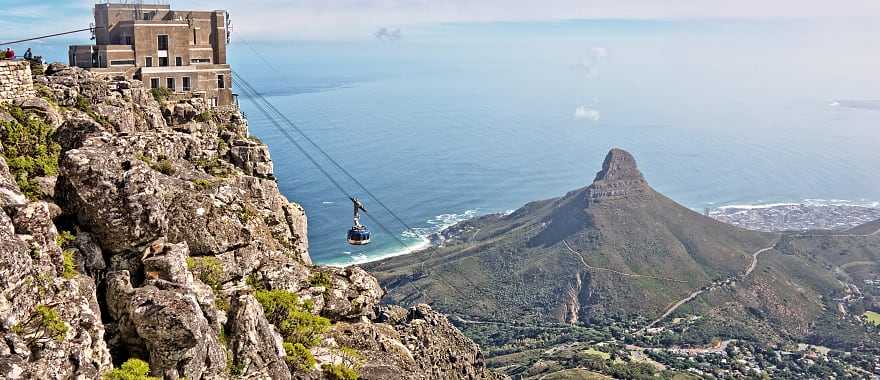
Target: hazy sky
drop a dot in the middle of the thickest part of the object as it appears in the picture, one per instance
(346, 19)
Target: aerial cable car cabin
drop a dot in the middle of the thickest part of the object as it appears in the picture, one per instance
(358, 234)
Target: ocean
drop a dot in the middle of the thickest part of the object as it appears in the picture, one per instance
(452, 121)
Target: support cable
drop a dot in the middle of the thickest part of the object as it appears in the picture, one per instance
(324, 153)
(46, 36)
(256, 98)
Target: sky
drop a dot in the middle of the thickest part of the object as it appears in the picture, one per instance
(359, 19)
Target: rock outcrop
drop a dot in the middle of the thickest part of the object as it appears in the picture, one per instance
(619, 178)
(155, 230)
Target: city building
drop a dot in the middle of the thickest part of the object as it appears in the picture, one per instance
(184, 51)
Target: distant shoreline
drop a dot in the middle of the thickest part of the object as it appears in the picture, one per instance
(836, 215)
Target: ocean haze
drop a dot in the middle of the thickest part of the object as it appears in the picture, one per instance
(480, 118)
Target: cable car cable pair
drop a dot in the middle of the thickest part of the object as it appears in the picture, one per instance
(358, 234)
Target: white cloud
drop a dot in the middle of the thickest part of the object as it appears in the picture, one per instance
(587, 113)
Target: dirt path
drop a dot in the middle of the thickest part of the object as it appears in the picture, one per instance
(579, 256)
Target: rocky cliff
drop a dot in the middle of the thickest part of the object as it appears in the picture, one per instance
(134, 227)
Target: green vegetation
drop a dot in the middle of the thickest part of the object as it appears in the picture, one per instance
(51, 322)
(339, 372)
(64, 238)
(163, 165)
(299, 357)
(209, 269)
(321, 279)
(203, 184)
(132, 369)
(161, 94)
(205, 117)
(246, 213)
(68, 266)
(215, 167)
(83, 104)
(872, 317)
(30, 148)
(294, 321)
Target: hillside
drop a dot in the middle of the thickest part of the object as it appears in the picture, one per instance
(618, 261)
(141, 235)
(614, 248)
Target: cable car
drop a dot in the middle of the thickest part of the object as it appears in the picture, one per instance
(358, 234)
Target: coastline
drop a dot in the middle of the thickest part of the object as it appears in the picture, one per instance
(751, 216)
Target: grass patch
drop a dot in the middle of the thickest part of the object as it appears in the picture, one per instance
(64, 238)
(321, 279)
(872, 317)
(132, 369)
(30, 148)
(595, 352)
(68, 268)
(50, 322)
(203, 184)
(339, 372)
(209, 269)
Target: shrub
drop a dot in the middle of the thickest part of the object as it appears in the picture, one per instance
(68, 267)
(51, 322)
(339, 372)
(299, 357)
(161, 94)
(30, 148)
(295, 323)
(164, 166)
(64, 238)
(202, 183)
(204, 117)
(209, 269)
(132, 369)
(321, 279)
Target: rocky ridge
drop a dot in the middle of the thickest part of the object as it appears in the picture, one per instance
(154, 229)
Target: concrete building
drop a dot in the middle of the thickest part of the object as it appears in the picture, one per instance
(184, 51)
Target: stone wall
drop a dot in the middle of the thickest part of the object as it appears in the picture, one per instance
(15, 81)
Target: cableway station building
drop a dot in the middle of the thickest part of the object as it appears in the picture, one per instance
(184, 51)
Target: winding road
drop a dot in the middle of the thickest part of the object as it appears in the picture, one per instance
(747, 273)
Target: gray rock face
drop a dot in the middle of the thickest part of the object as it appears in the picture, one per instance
(254, 343)
(50, 322)
(178, 220)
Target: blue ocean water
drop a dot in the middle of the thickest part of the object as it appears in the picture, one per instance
(458, 120)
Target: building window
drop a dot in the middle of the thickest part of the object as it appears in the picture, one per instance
(147, 16)
(148, 62)
(128, 40)
(195, 36)
(154, 82)
(221, 81)
(163, 42)
(178, 61)
(200, 60)
(186, 84)
(163, 61)
(170, 82)
(122, 62)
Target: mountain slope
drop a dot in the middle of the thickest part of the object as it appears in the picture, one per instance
(614, 248)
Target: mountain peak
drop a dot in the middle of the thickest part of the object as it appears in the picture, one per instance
(619, 178)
